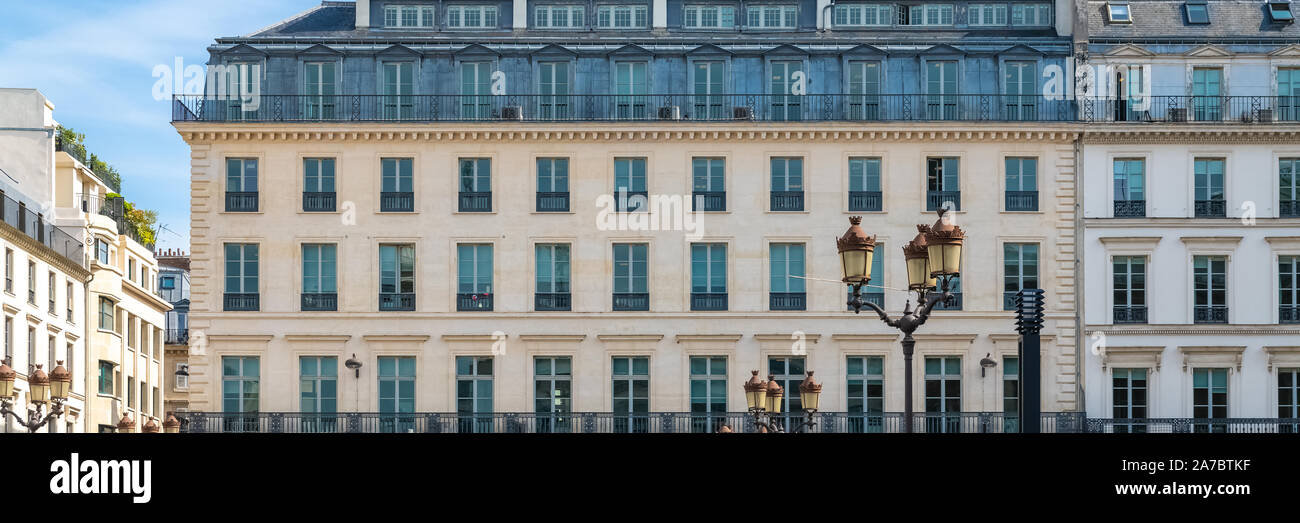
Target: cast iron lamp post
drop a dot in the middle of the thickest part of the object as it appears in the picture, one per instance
(764, 399)
(933, 260)
(52, 389)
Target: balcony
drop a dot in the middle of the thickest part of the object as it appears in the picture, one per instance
(552, 202)
(1288, 314)
(787, 301)
(34, 226)
(1211, 209)
(709, 201)
(318, 201)
(79, 152)
(1129, 314)
(320, 301)
(241, 302)
(475, 202)
(396, 301)
(1022, 201)
(953, 303)
(467, 302)
(241, 201)
(935, 200)
(631, 301)
(708, 301)
(1289, 209)
(1130, 208)
(787, 201)
(1193, 109)
(1210, 314)
(606, 107)
(396, 202)
(865, 201)
(552, 301)
(176, 336)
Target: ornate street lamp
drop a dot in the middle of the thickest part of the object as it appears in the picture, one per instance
(150, 427)
(764, 398)
(172, 425)
(933, 260)
(127, 425)
(49, 389)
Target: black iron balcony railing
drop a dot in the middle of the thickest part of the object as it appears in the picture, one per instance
(708, 301)
(1210, 314)
(787, 201)
(241, 302)
(552, 202)
(935, 200)
(632, 201)
(552, 301)
(953, 304)
(473, 302)
(865, 201)
(320, 301)
(475, 201)
(709, 201)
(397, 202)
(241, 201)
(787, 301)
(396, 301)
(1130, 208)
(1192, 109)
(606, 107)
(631, 301)
(1130, 314)
(1289, 209)
(318, 201)
(35, 226)
(1211, 209)
(78, 151)
(1022, 201)
(1288, 314)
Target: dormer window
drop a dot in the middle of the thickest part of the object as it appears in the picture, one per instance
(929, 14)
(772, 16)
(622, 16)
(1031, 15)
(1280, 12)
(709, 17)
(866, 15)
(472, 17)
(408, 16)
(559, 17)
(1198, 12)
(1118, 13)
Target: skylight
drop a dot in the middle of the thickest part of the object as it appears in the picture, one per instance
(1280, 12)
(1197, 12)
(1118, 13)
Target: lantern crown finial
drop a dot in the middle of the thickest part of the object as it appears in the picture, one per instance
(809, 385)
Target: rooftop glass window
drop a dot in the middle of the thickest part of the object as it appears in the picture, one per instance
(1197, 12)
(1280, 12)
(1118, 13)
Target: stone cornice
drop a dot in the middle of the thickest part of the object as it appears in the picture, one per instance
(1184, 133)
(554, 338)
(629, 337)
(865, 337)
(730, 338)
(396, 337)
(318, 337)
(9, 234)
(1170, 330)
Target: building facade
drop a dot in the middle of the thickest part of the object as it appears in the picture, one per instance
(1190, 216)
(512, 220)
(174, 287)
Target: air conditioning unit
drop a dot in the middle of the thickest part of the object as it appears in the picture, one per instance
(512, 112)
(1264, 115)
(670, 112)
(742, 113)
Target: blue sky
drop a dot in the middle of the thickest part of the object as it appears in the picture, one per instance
(94, 59)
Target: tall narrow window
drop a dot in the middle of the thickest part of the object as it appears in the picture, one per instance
(241, 277)
(241, 185)
(630, 184)
(1022, 184)
(396, 393)
(1288, 399)
(1210, 288)
(71, 297)
(709, 90)
(398, 102)
(1129, 399)
(1011, 394)
(864, 90)
(631, 85)
(240, 392)
(475, 185)
(476, 90)
(631, 394)
(553, 292)
(106, 375)
(1130, 188)
(319, 291)
(1130, 289)
(397, 277)
(318, 89)
(943, 394)
(1207, 100)
(787, 184)
(943, 184)
(941, 90)
(552, 185)
(785, 87)
(708, 393)
(866, 393)
(553, 393)
(53, 292)
(1019, 271)
(1209, 188)
(1210, 399)
(9, 268)
(864, 184)
(553, 86)
(787, 277)
(1288, 170)
(318, 185)
(474, 393)
(31, 282)
(788, 372)
(106, 314)
(396, 189)
(474, 277)
(631, 275)
(1288, 93)
(9, 338)
(1288, 289)
(708, 276)
(709, 191)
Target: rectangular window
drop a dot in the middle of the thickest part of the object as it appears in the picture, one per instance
(1289, 186)
(475, 185)
(53, 292)
(709, 17)
(319, 278)
(930, 14)
(398, 85)
(9, 268)
(31, 346)
(708, 393)
(788, 372)
(987, 14)
(1209, 188)
(1010, 394)
(943, 394)
(773, 17)
(241, 277)
(1118, 13)
(241, 185)
(553, 293)
(31, 282)
(1022, 184)
(553, 393)
(472, 17)
(864, 90)
(1019, 271)
(559, 17)
(1210, 398)
(785, 100)
(861, 15)
(318, 185)
(1031, 15)
(474, 277)
(943, 184)
(709, 89)
(396, 393)
(239, 392)
(397, 277)
(1130, 188)
(709, 190)
(552, 185)
(1210, 288)
(631, 84)
(106, 313)
(865, 389)
(410, 16)
(553, 85)
(1288, 289)
(630, 184)
(101, 255)
(1130, 289)
(864, 184)
(474, 393)
(1288, 93)
(1288, 398)
(787, 184)
(708, 276)
(631, 285)
(1197, 11)
(182, 380)
(787, 277)
(631, 394)
(396, 189)
(1207, 101)
(1129, 399)
(9, 338)
(476, 90)
(622, 16)
(106, 378)
(319, 90)
(941, 86)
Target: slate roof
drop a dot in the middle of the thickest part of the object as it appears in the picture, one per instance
(1165, 20)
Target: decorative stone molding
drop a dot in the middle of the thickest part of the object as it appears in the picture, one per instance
(1130, 244)
(714, 338)
(1102, 133)
(1140, 357)
(1204, 356)
(395, 337)
(340, 338)
(1282, 356)
(1216, 243)
(1283, 242)
(552, 338)
(1169, 330)
(630, 342)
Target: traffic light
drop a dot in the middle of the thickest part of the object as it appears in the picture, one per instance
(1029, 311)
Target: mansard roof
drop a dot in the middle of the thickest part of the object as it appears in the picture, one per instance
(1154, 20)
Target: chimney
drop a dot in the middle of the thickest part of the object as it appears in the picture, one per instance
(363, 14)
